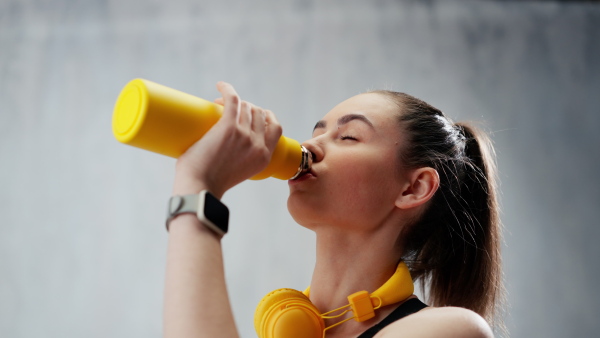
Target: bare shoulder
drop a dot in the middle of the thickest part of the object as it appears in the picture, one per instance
(447, 322)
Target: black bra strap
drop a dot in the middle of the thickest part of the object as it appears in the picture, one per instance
(407, 308)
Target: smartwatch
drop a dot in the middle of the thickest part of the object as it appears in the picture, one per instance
(210, 211)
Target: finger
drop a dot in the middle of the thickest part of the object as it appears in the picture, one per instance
(231, 100)
(258, 120)
(270, 117)
(245, 116)
(272, 130)
(219, 101)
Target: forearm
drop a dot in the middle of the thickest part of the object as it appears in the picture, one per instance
(236, 148)
(196, 303)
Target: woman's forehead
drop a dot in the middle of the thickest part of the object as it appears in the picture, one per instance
(376, 108)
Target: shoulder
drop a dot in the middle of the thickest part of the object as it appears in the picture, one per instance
(447, 322)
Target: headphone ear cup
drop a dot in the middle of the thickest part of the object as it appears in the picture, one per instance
(287, 313)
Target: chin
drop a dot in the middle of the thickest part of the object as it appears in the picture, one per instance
(303, 213)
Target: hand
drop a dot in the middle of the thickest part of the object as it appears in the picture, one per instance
(237, 147)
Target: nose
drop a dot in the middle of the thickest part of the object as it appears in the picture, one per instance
(315, 148)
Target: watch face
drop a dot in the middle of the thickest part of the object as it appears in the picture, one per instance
(216, 212)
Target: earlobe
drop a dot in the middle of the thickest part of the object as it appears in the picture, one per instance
(421, 186)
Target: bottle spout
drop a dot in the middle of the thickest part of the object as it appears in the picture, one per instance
(307, 158)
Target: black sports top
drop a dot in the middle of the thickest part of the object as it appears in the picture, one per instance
(407, 308)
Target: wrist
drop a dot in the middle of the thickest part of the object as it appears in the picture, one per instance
(187, 186)
(188, 223)
(210, 211)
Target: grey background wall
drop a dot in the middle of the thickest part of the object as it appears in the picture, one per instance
(82, 239)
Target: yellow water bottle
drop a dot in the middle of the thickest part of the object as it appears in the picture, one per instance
(166, 121)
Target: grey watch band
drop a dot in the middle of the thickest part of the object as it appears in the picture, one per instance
(209, 210)
(181, 205)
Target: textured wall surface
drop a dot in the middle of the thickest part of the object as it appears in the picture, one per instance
(82, 244)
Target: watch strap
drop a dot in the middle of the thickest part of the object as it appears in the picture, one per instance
(181, 205)
(210, 211)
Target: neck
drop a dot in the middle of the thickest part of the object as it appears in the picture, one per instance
(350, 262)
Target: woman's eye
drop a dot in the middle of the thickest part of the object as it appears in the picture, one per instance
(348, 137)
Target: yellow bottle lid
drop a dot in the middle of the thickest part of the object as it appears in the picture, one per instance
(130, 111)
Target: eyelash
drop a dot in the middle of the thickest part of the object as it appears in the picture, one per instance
(347, 137)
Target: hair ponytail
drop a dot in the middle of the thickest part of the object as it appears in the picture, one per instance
(453, 250)
(476, 211)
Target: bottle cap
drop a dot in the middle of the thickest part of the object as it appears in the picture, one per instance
(129, 112)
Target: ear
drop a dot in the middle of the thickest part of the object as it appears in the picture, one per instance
(421, 185)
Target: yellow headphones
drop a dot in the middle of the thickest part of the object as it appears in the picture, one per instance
(288, 313)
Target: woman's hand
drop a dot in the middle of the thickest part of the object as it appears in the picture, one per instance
(236, 148)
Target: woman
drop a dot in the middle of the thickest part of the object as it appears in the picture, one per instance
(392, 180)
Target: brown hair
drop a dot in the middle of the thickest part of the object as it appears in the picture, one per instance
(453, 249)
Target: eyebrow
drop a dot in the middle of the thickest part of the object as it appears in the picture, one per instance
(345, 119)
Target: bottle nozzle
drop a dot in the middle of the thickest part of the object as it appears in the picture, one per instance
(307, 158)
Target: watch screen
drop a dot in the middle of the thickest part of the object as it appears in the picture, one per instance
(216, 212)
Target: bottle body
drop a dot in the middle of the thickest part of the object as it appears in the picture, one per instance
(166, 121)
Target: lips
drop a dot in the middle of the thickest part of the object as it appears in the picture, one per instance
(306, 176)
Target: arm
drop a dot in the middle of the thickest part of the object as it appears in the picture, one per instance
(196, 301)
(239, 146)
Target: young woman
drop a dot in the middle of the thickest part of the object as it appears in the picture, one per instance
(392, 180)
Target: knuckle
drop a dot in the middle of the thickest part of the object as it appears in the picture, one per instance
(234, 100)
(229, 133)
(264, 154)
(272, 116)
(242, 133)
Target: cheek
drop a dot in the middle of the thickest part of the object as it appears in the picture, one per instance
(364, 186)
(355, 191)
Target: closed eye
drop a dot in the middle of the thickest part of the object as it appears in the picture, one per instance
(348, 137)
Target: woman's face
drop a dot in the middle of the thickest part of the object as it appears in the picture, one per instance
(355, 177)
